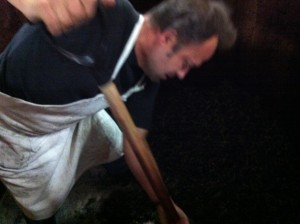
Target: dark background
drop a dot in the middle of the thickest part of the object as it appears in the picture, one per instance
(227, 138)
(265, 58)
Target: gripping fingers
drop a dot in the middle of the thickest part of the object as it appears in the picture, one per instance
(89, 7)
(47, 13)
(61, 15)
(70, 13)
(64, 18)
(107, 3)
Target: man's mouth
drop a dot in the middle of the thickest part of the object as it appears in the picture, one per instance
(168, 76)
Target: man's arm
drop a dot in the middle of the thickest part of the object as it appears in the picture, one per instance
(59, 15)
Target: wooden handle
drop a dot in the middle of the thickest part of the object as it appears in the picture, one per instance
(162, 215)
(140, 148)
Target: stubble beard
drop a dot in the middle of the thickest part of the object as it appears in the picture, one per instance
(150, 69)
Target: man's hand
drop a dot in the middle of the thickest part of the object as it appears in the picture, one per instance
(59, 15)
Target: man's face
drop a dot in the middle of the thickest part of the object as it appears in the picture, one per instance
(162, 62)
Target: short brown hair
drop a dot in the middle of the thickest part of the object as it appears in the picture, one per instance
(196, 20)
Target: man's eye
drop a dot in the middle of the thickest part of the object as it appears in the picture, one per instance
(185, 65)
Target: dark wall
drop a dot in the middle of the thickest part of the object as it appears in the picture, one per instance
(267, 54)
(10, 21)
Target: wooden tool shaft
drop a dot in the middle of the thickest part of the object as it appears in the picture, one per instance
(140, 148)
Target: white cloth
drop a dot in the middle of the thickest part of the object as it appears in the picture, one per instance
(45, 148)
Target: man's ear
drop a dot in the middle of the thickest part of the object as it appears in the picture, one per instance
(169, 37)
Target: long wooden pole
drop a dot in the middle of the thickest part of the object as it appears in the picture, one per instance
(141, 150)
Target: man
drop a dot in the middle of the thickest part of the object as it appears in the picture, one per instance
(53, 123)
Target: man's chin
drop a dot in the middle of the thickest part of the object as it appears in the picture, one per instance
(154, 78)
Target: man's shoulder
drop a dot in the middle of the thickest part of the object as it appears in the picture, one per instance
(123, 14)
(117, 24)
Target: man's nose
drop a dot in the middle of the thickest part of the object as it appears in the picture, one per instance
(182, 73)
